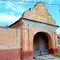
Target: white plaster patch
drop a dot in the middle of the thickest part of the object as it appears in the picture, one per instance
(41, 18)
(42, 7)
(34, 11)
(49, 16)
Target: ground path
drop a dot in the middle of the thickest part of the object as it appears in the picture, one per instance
(47, 57)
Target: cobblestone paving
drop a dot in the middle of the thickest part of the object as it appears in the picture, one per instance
(46, 57)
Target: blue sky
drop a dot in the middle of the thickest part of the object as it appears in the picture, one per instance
(12, 10)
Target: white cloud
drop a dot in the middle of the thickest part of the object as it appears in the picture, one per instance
(58, 31)
(8, 18)
(50, 1)
(25, 0)
(9, 4)
(16, 7)
(1, 2)
(12, 13)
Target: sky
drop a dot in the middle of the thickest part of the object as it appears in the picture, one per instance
(12, 10)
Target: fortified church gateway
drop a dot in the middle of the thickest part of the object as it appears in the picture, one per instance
(34, 34)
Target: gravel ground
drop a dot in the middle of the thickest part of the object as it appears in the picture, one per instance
(46, 57)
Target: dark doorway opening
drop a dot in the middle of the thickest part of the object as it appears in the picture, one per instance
(40, 44)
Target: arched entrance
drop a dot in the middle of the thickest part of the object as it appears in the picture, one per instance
(40, 44)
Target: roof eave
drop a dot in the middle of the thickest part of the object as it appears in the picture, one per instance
(33, 21)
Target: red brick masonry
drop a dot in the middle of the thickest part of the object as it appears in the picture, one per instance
(10, 54)
(53, 51)
(15, 54)
(26, 55)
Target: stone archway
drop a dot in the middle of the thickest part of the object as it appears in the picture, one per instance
(40, 44)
